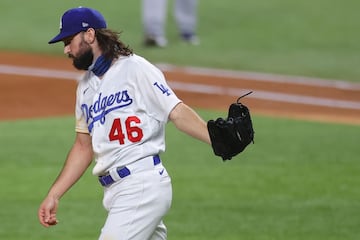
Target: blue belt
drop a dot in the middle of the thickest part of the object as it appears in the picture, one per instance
(107, 180)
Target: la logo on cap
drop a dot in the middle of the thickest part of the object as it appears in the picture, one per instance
(76, 20)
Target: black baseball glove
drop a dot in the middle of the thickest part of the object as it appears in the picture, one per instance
(231, 136)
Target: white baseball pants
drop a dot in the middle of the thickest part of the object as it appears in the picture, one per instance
(137, 204)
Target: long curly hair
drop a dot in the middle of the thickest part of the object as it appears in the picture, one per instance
(111, 45)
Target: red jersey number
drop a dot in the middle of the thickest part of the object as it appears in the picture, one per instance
(133, 133)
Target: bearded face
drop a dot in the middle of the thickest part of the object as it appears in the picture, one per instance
(84, 58)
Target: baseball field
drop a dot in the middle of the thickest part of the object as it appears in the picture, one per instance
(299, 181)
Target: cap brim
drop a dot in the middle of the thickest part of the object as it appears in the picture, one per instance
(61, 36)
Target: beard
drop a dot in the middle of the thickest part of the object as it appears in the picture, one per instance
(85, 57)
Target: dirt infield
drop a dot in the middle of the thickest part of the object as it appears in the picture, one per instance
(40, 86)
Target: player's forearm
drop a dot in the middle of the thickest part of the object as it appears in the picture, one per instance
(73, 169)
(78, 160)
(189, 122)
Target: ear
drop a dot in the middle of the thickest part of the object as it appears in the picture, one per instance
(89, 36)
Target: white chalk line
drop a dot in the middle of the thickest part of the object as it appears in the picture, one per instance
(265, 95)
(211, 89)
(265, 77)
(38, 72)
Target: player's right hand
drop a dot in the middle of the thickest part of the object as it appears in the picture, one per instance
(47, 211)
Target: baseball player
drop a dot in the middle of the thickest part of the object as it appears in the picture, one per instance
(122, 106)
(154, 14)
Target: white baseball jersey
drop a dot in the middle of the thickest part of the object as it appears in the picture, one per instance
(125, 112)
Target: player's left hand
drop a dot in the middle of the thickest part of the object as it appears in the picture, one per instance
(47, 211)
(232, 135)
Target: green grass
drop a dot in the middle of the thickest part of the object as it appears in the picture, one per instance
(298, 181)
(313, 38)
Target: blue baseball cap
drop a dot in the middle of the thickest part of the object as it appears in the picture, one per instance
(78, 19)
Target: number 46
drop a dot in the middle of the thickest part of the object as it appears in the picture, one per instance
(133, 133)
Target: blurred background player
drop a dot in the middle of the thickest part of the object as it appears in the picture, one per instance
(154, 13)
